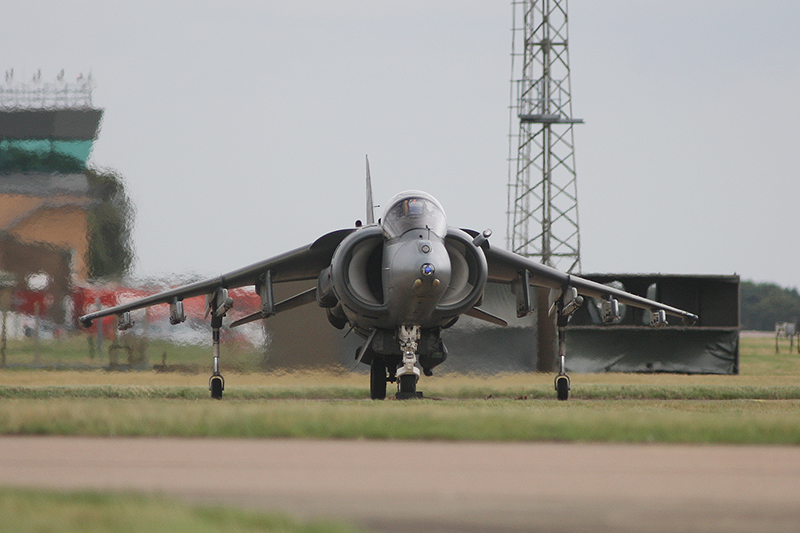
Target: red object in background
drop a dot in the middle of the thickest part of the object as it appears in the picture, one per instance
(246, 301)
(26, 301)
(86, 299)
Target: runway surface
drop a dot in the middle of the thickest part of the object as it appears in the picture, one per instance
(433, 486)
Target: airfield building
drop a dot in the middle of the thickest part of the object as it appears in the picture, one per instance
(46, 136)
(44, 192)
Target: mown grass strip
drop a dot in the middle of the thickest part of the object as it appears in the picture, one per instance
(670, 421)
(179, 393)
(759, 407)
(579, 392)
(687, 392)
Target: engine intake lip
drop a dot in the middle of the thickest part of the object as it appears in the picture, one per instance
(355, 294)
(459, 242)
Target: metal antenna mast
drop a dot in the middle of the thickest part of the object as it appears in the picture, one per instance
(542, 187)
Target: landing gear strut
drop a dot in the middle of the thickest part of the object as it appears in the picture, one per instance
(408, 373)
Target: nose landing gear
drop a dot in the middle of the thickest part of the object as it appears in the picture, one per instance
(408, 373)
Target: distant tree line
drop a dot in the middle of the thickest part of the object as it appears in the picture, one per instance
(110, 220)
(764, 304)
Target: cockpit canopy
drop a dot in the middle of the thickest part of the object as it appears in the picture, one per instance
(414, 210)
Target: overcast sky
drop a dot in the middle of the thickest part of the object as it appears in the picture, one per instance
(241, 127)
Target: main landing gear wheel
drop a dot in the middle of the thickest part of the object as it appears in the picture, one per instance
(562, 387)
(216, 384)
(377, 378)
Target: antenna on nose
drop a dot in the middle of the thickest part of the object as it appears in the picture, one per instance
(370, 204)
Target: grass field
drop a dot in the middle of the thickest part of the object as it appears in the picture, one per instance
(761, 405)
(30, 511)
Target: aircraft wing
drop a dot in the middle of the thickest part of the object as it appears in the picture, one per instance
(304, 263)
(504, 267)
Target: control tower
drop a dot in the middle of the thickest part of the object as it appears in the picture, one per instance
(46, 135)
(47, 131)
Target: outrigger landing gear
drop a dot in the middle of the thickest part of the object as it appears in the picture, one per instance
(562, 379)
(408, 373)
(218, 304)
(216, 383)
(567, 305)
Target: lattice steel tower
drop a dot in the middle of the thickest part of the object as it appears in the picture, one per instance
(542, 186)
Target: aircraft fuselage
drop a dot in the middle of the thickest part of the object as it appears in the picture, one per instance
(416, 275)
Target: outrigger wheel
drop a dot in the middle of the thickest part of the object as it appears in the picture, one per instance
(562, 387)
(216, 385)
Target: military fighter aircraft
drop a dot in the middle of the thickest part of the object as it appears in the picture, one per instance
(397, 283)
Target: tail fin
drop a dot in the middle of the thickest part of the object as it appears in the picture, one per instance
(370, 204)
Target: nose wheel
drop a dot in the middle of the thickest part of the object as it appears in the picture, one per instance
(407, 387)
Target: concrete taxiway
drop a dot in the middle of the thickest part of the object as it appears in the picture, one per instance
(391, 486)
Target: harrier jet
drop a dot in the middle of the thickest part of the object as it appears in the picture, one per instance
(397, 283)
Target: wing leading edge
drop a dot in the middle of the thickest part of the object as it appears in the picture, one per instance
(505, 266)
(304, 263)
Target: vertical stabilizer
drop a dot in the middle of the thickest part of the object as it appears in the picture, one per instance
(370, 204)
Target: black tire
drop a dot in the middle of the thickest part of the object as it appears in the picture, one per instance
(408, 383)
(377, 379)
(562, 388)
(216, 387)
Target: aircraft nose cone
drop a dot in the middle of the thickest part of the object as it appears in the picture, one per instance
(416, 277)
